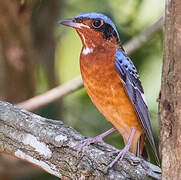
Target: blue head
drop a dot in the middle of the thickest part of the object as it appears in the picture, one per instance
(95, 24)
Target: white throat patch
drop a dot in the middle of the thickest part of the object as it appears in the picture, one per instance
(87, 50)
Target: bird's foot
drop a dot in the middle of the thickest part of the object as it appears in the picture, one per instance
(121, 153)
(88, 141)
(120, 156)
(91, 140)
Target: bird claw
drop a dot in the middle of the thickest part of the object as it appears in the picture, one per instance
(91, 140)
(120, 156)
(82, 144)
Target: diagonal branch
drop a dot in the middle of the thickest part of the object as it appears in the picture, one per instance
(71, 86)
(51, 145)
(52, 95)
(143, 37)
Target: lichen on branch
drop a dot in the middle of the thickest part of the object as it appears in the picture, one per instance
(52, 146)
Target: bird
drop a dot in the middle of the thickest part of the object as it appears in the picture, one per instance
(112, 83)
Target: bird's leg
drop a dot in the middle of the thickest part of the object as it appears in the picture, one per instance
(91, 140)
(124, 150)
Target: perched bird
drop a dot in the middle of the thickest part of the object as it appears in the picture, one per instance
(112, 82)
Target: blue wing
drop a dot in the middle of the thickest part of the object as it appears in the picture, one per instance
(134, 89)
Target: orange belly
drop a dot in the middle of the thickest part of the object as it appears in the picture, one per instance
(106, 91)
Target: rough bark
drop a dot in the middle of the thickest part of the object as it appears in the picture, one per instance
(170, 98)
(52, 146)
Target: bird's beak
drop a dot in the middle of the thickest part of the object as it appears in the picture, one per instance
(72, 23)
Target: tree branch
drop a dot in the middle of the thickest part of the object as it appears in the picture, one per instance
(71, 86)
(143, 37)
(52, 146)
(52, 95)
(170, 95)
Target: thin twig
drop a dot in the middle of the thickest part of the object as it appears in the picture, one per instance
(52, 95)
(71, 86)
(143, 37)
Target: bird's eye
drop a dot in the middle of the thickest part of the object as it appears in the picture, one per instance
(97, 23)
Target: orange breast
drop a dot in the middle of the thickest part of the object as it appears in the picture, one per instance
(106, 91)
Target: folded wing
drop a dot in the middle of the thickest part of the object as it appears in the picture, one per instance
(134, 89)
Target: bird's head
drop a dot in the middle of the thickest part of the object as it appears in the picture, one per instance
(94, 29)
